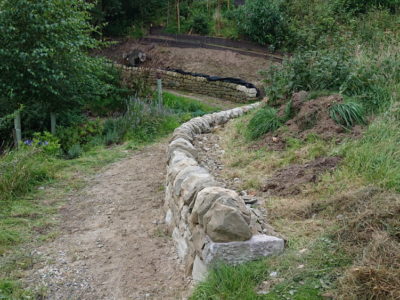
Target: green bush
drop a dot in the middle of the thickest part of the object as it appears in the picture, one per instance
(74, 152)
(265, 120)
(263, 21)
(199, 24)
(309, 70)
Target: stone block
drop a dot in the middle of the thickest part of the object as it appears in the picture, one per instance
(234, 253)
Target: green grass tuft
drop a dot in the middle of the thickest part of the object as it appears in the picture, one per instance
(265, 120)
(347, 114)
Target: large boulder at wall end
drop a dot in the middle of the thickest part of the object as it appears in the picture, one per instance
(224, 223)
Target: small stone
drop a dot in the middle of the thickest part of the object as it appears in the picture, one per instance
(273, 274)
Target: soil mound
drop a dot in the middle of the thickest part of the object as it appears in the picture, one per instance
(290, 180)
(311, 117)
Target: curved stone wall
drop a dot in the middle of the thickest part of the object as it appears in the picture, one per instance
(194, 84)
(209, 223)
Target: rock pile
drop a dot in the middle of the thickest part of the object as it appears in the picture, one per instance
(209, 223)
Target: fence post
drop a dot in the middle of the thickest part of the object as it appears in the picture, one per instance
(17, 128)
(53, 123)
(159, 91)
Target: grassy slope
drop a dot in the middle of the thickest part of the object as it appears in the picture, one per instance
(342, 233)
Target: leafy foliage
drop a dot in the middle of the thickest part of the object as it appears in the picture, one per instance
(309, 70)
(347, 114)
(263, 21)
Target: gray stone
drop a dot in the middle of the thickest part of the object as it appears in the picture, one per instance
(205, 199)
(177, 156)
(194, 183)
(181, 145)
(180, 243)
(183, 174)
(174, 168)
(200, 271)
(257, 247)
(199, 238)
(225, 223)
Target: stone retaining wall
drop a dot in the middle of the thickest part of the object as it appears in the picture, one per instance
(194, 84)
(209, 223)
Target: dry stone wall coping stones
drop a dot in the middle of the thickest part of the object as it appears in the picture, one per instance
(209, 224)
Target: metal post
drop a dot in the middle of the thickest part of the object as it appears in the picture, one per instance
(53, 123)
(17, 127)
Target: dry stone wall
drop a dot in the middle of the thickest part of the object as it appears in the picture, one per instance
(194, 84)
(209, 224)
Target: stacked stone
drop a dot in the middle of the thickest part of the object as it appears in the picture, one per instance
(200, 85)
(209, 224)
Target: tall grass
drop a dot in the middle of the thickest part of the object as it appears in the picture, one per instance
(376, 156)
(264, 120)
(21, 170)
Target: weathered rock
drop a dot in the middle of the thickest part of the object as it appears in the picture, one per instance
(183, 174)
(225, 223)
(205, 199)
(175, 168)
(199, 272)
(177, 156)
(199, 238)
(181, 144)
(194, 183)
(181, 243)
(234, 253)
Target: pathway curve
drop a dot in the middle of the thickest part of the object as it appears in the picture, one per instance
(113, 243)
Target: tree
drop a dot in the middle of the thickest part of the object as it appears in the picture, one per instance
(43, 55)
(262, 21)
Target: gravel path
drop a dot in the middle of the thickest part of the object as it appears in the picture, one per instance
(113, 243)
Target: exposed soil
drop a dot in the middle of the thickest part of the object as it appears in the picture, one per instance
(206, 61)
(291, 180)
(112, 242)
(310, 118)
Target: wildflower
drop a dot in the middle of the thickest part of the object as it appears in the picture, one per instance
(28, 142)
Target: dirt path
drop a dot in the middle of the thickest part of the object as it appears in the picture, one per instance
(113, 243)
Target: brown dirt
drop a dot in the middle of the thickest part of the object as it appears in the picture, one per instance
(207, 61)
(291, 180)
(112, 243)
(311, 118)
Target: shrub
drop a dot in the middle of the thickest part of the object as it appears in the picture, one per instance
(357, 6)
(263, 21)
(74, 152)
(265, 120)
(199, 24)
(81, 133)
(308, 70)
(347, 114)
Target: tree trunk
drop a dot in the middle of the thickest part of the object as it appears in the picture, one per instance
(178, 16)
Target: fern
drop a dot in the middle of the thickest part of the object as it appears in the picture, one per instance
(347, 114)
